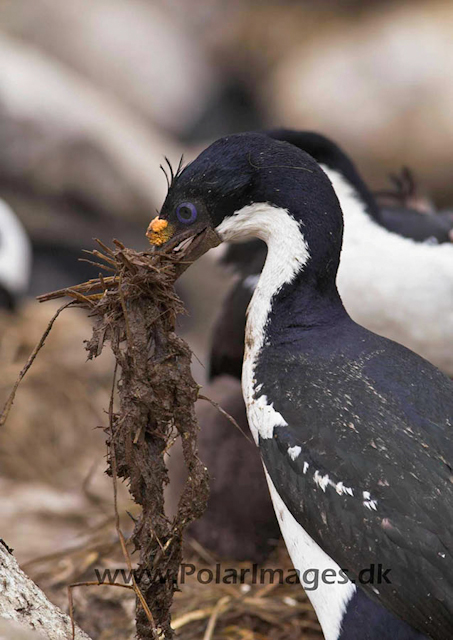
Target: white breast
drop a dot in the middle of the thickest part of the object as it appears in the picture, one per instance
(394, 286)
(328, 600)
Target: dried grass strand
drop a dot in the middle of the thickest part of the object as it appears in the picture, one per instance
(28, 364)
(226, 415)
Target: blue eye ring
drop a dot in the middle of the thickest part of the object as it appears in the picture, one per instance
(186, 212)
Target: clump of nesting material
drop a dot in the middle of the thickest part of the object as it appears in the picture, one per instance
(134, 310)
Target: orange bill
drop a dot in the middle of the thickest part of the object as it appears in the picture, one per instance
(159, 231)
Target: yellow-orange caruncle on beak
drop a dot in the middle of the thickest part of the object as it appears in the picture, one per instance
(159, 232)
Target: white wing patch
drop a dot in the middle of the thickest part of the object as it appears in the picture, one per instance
(259, 412)
(370, 504)
(294, 452)
(347, 490)
(322, 481)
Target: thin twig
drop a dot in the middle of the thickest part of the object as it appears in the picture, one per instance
(219, 608)
(191, 616)
(102, 256)
(79, 296)
(31, 359)
(225, 414)
(104, 247)
(110, 281)
(98, 264)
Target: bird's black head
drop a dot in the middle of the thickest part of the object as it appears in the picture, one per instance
(211, 188)
(240, 171)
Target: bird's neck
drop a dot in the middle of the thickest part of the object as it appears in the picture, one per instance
(301, 308)
(292, 295)
(287, 254)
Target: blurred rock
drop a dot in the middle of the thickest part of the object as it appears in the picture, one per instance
(40, 519)
(74, 163)
(23, 602)
(62, 138)
(10, 630)
(379, 83)
(143, 55)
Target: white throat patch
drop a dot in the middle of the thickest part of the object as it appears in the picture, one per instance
(287, 253)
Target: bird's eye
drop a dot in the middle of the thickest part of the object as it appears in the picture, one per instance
(186, 212)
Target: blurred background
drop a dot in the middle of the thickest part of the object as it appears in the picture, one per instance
(93, 95)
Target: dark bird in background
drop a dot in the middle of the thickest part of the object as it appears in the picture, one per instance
(354, 430)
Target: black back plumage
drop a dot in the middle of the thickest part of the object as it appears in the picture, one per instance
(374, 416)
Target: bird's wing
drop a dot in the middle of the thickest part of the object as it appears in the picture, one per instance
(372, 483)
